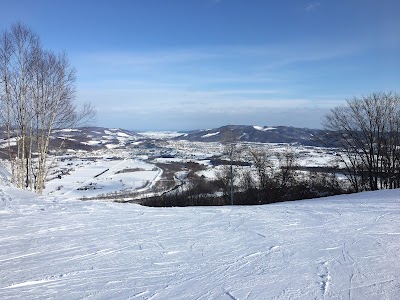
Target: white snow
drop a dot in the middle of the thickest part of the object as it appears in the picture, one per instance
(160, 134)
(101, 176)
(210, 134)
(112, 146)
(67, 130)
(92, 143)
(210, 173)
(4, 143)
(122, 134)
(344, 247)
(118, 135)
(264, 128)
(168, 159)
(109, 132)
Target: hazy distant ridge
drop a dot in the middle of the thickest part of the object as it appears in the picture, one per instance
(261, 134)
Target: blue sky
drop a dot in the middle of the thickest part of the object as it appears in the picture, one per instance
(182, 64)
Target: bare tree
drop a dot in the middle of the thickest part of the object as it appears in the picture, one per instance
(6, 50)
(37, 95)
(229, 174)
(18, 46)
(261, 160)
(367, 129)
(288, 162)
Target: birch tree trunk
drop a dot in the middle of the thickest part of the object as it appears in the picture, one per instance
(37, 93)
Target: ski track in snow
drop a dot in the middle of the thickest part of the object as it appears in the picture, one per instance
(345, 247)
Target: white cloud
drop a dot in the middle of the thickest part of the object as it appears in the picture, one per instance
(312, 6)
(218, 57)
(173, 56)
(230, 70)
(237, 81)
(189, 116)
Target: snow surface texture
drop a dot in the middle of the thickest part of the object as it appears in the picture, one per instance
(345, 247)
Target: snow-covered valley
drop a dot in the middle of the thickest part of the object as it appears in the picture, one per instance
(343, 247)
(93, 163)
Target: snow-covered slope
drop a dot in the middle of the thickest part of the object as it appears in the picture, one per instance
(345, 247)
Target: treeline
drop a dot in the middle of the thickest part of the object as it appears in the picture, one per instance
(266, 181)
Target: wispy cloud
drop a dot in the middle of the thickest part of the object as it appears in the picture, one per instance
(312, 6)
(219, 58)
(172, 56)
(199, 112)
(233, 80)
(158, 100)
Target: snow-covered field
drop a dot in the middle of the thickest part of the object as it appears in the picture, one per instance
(82, 177)
(344, 247)
(128, 167)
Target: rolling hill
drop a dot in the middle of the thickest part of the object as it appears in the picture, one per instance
(258, 134)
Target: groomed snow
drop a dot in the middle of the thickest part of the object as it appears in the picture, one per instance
(345, 247)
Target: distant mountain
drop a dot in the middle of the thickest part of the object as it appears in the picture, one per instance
(275, 134)
(84, 138)
(93, 138)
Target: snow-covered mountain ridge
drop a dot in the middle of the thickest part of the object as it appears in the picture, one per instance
(343, 247)
(94, 138)
(262, 134)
